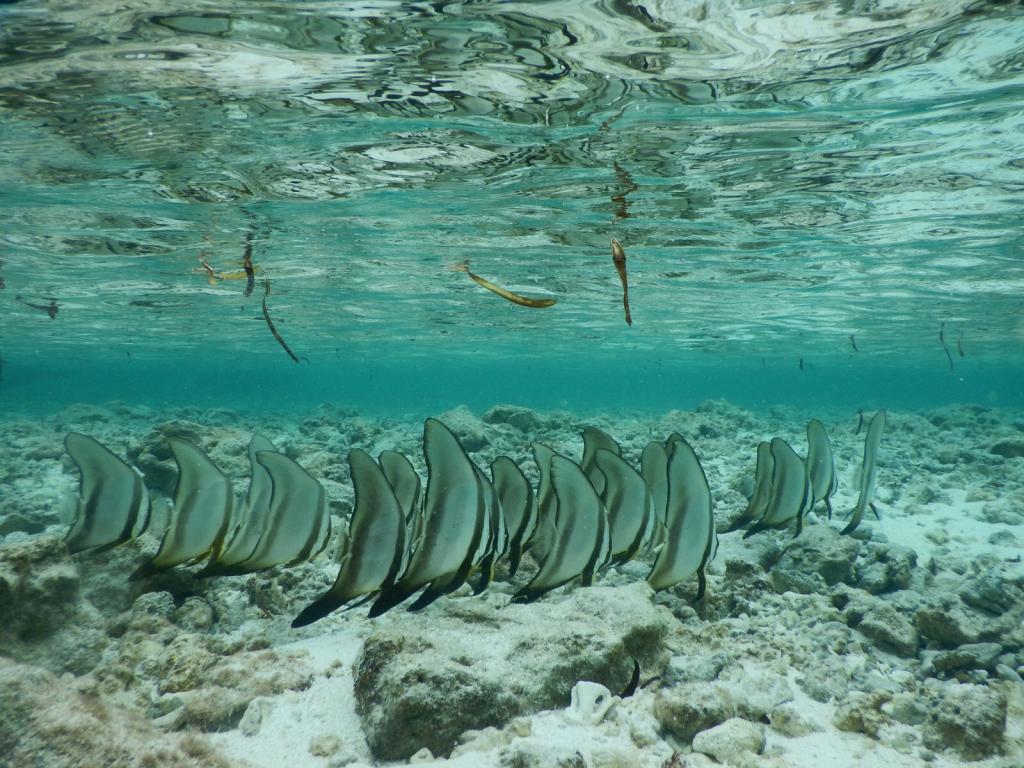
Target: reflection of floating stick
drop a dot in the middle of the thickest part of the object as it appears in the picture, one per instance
(270, 323)
(942, 341)
(619, 257)
(515, 298)
(250, 273)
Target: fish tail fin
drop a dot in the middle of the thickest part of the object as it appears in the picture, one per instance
(388, 598)
(515, 555)
(486, 574)
(144, 571)
(852, 525)
(754, 529)
(316, 610)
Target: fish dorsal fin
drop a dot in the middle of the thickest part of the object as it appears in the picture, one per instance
(404, 480)
(452, 517)
(248, 524)
(581, 531)
(690, 522)
(867, 480)
(789, 488)
(627, 502)
(517, 506)
(821, 469)
(202, 508)
(296, 521)
(111, 497)
(374, 548)
(654, 468)
(595, 439)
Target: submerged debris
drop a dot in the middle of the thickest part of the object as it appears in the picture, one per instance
(515, 298)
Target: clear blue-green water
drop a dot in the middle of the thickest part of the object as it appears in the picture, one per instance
(808, 194)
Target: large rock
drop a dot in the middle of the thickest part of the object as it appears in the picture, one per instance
(728, 742)
(817, 559)
(466, 664)
(970, 719)
(43, 619)
(45, 723)
(685, 710)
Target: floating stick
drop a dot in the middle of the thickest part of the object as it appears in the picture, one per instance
(515, 298)
(270, 323)
(619, 257)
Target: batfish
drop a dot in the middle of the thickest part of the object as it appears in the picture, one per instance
(762, 488)
(297, 522)
(453, 523)
(543, 537)
(581, 543)
(654, 468)
(867, 477)
(821, 467)
(790, 492)
(628, 503)
(593, 440)
(201, 512)
(251, 519)
(112, 505)
(690, 522)
(375, 545)
(517, 505)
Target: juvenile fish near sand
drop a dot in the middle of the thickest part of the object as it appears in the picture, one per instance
(515, 298)
(619, 258)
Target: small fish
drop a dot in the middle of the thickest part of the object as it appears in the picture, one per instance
(853, 343)
(270, 323)
(250, 273)
(801, 363)
(960, 345)
(860, 421)
(619, 258)
(515, 298)
(50, 309)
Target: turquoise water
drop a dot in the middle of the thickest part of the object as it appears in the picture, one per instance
(807, 194)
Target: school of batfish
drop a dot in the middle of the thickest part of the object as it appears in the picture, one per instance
(582, 517)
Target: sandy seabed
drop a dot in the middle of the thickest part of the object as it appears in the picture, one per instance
(901, 645)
